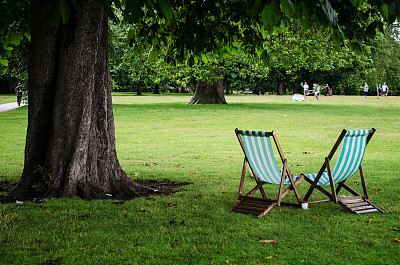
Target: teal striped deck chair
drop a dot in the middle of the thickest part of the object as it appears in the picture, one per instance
(259, 155)
(354, 143)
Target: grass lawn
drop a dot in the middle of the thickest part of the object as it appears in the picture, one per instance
(8, 98)
(160, 138)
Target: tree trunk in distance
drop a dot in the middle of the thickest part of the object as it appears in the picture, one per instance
(157, 89)
(139, 90)
(70, 142)
(280, 87)
(208, 93)
(228, 88)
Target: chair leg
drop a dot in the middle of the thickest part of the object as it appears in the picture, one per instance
(311, 189)
(242, 178)
(364, 184)
(333, 190)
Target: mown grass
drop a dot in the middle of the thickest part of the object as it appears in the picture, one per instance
(160, 138)
(7, 98)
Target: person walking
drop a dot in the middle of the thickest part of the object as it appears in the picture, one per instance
(18, 90)
(316, 91)
(379, 91)
(385, 90)
(305, 88)
(365, 90)
(328, 90)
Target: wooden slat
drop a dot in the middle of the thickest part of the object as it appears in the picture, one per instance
(243, 204)
(254, 206)
(367, 211)
(357, 204)
(349, 199)
(245, 212)
(362, 208)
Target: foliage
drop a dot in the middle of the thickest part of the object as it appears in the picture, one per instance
(43, 179)
(386, 60)
(14, 27)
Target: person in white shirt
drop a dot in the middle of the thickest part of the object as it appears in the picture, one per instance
(385, 90)
(365, 90)
(305, 87)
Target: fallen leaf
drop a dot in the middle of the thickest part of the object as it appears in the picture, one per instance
(375, 191)
(268, 241)
(356, 183)
(395, 240)
(314, 217)
(369, 221)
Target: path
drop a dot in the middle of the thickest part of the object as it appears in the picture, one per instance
(9, 106)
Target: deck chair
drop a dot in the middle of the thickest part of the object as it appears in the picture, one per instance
(354, 143)
(258, 153)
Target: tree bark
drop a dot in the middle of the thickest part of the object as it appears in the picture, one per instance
(208, 93)
(139, 89)
(71, 132)
(280, 87)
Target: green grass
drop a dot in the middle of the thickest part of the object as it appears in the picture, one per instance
(160, 138)
(7, 98)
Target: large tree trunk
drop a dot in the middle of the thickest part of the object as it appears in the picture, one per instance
(70, 142)
(208, 93)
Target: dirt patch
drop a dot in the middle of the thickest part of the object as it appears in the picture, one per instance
(162, 188)
(5, 186)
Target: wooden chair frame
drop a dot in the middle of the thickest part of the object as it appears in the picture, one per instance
(357, 199)
(261, 206)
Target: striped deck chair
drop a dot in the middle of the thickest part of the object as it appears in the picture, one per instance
(354, 143)
(259, 155)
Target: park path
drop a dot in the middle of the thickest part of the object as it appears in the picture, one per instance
(9, 106)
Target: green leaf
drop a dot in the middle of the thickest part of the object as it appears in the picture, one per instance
(385, 11)
(166, 9)
(204, 58)
(52, 14)
(65, 10)
(288, 8)
(271, 14)
(4, 62)
(133, 11)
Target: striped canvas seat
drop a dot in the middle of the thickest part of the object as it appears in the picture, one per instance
(259, 155)
(349, 160)
(354, 143)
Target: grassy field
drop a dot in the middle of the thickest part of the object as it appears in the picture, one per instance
(160, 138)
(8, 98)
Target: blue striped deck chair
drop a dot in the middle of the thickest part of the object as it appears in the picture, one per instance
(354, 143)
(259, 155)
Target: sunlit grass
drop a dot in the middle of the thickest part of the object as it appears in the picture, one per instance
(160, 137)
